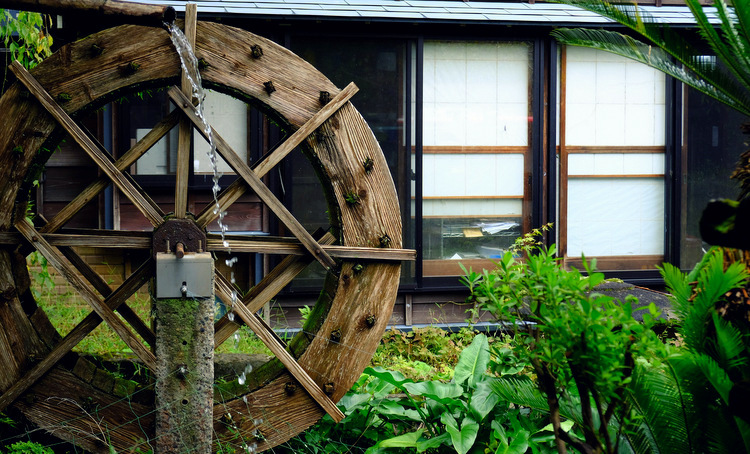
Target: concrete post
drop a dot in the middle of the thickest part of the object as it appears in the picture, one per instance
(185, 373)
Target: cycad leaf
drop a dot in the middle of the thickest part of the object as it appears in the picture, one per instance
(666, 411)
(730, 344)
(696, 72)
(731, 88)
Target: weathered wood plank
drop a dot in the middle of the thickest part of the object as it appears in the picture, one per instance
(86, 291)
(122, 164)
(185, 133)
(56, 403)
(88, 145)
(77, 334)
(224, 290)
(153, 15)
(254, 182)
(287, 248)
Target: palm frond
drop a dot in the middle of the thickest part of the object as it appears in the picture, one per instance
(722, 47)
(696, 72)
(679, 288)
(730, 344)
(665, 410)
(731, 87)
(522, 391)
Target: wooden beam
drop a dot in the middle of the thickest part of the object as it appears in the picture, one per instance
(238, 188)
(254, 182)
(267, 288)
(295, 248)
(185, 134)
(99, 157)
(77, 334)
(124, 11)
(122, 164)
(105, 291)
(224, 290)
(56, 259)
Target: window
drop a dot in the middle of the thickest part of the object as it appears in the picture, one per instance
(612, 147)
(228, 116)
(712, 145)
(476, 127)
(379, 68)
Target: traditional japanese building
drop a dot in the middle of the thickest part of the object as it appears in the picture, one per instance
(490, 129)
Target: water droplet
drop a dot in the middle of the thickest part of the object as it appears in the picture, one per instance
(242, 378)
(248, 368)
(230, 316)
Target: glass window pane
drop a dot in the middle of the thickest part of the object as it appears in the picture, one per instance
(614, 154)
(713, 144)
(378, 67)
(475, 151)
(228, 117)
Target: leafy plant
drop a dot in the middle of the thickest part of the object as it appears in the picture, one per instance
(581, 345)
(27, 447)
(26, 37)
(464, 414)
(713, 368)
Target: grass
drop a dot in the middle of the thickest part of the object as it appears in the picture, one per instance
(66, 311)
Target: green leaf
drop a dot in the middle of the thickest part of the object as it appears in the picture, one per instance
(387, 407)
(395, 378)
(436, 390)
(463, 438)
(434, 442)
(483, 400)
(407, 440)
(473, 362)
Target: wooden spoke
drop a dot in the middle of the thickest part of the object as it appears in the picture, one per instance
(103, 288)
(288, 246)
(224, 290)
(252, 180)
(97, 238)
(122, 164)
(77, 334)
(56, 259)
(100, 158)
(235, 190)
(267, 288)
(185, 135)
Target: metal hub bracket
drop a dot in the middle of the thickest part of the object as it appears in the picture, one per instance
(182, 268)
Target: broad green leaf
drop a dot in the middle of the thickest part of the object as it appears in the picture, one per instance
(473, 362)
(434, 442)
(408, 440)
(388, 407)
(483, 400)
(435, 390)
(564, 425)
(463, 438)
(395, 378)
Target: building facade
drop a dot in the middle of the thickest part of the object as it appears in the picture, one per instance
(490, 130)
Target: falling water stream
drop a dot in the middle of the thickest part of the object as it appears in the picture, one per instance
(189, 63)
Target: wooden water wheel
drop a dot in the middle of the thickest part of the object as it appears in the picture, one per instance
(64, 393)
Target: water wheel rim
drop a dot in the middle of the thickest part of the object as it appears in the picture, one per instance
(356, 298)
